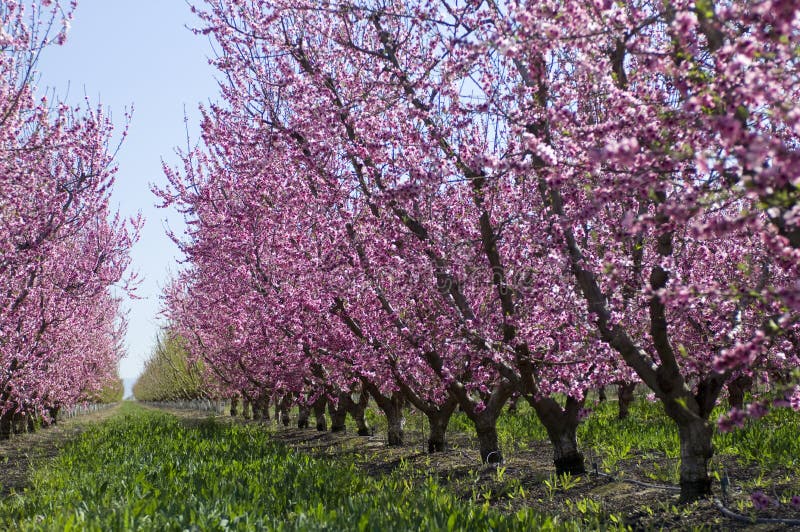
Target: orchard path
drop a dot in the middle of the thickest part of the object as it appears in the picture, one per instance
(21, 450)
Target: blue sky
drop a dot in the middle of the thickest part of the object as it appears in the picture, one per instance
(124, 53)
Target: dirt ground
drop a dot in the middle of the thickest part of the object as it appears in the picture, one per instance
(18, 453)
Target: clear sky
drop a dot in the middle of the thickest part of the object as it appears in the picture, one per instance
(140, 53)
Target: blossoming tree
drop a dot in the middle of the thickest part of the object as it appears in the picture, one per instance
(61, 249)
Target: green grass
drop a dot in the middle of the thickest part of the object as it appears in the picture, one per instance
(768, 442)
(144, 470)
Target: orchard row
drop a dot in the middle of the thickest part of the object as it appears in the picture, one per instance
(61, 249)
(460, 204)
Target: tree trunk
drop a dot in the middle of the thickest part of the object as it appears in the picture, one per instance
(357, 410)
(488, 443)
(20, 423)
(247, 413)
(566, 456)
(264, 401)
(303, 415)
(690, 412)
(601, 394)
(319, 414)
(696, 451)
(562, 426)
(53, 413)
(485, 422)
(625, 398)
(394, 417)
(5, 425)
(286, 404)
(438, 417)
(392, 408)
(485, 419)
(338, 414)
(736, 390)
(234, 406)
(438, 420)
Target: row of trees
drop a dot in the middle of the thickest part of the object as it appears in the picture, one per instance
(61, 249)
(169, 375)
(112, 392)
(457, 203)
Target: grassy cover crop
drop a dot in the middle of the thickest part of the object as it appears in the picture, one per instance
(144, 470)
